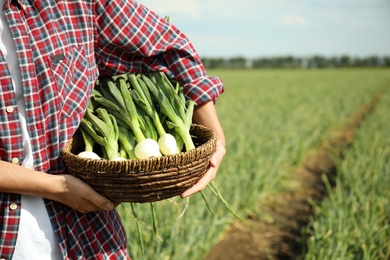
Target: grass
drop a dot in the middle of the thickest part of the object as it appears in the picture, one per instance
(271, 118)
(354, 221)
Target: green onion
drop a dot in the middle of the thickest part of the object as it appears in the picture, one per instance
(146, 147)
(166, 142)
(104, 131)
(172, 107)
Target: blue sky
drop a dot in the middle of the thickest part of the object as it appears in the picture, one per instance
(260, 28)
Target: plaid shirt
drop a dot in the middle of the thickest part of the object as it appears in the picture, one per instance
(62, 47)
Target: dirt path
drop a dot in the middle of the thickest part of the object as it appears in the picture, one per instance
(278, 237)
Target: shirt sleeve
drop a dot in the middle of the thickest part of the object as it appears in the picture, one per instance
(131, 38)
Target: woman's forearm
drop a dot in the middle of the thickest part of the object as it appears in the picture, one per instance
(62, 188)
(207, 115)
(20, 180)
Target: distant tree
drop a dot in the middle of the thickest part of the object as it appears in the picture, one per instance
(357, 62)
(237, 62)
(345, 61)
(291, 62)
(373, 61)
(386, 61)
(263, 63)
(214, 63)
(317, 61)
(334, 62)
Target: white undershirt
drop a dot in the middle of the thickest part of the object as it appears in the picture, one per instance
(36, 239)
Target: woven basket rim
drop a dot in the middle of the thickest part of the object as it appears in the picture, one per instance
(151, 179)
(66, 152)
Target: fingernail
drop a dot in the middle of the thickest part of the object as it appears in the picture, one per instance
(109, 206)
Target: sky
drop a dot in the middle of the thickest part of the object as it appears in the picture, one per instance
(267, 28)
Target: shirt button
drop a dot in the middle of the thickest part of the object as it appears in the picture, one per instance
(13, 206)
(9, 109)
(15, 160)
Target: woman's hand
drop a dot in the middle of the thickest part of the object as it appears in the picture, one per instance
(211, 173)
(79, 195)
(206, 115)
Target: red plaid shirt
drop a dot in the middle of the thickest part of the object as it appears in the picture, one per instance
(62, 47)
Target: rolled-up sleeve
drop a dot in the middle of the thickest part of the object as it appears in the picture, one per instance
(132, 38)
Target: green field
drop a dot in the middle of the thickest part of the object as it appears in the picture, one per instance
(354, 221)
(272, 119)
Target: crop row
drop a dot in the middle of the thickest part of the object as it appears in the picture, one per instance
(354, 221)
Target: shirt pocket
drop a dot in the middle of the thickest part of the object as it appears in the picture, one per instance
(71, 75)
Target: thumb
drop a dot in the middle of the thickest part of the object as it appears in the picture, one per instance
(102, 202)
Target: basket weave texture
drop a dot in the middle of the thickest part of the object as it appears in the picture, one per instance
(143, 180)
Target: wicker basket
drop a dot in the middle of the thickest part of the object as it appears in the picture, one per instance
(143, 180)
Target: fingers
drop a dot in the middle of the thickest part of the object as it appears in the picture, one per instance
(86, 206)
(201, 184)
(101, 202)
(80, 196)
(91, 201)
(211, 173)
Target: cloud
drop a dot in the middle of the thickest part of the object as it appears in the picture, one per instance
(293, 20)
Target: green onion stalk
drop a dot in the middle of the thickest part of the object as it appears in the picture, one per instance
(146, 147)
(141, 96)
(171, 105)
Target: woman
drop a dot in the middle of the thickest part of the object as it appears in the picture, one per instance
(52, 52)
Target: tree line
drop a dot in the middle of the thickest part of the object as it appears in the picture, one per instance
(315, 61)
